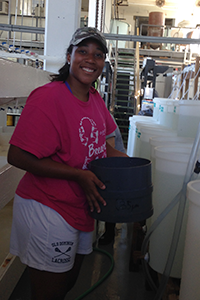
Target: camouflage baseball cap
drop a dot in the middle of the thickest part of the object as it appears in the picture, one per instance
(84, 33)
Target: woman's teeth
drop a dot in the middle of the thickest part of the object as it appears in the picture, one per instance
(88, 70)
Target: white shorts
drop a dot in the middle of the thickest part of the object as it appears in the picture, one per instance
(43, 239)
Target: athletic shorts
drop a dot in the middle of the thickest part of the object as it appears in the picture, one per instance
(43, 239)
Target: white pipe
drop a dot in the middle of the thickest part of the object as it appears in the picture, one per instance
(16, 8)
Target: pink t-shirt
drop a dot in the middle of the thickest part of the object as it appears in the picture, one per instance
(56, 124)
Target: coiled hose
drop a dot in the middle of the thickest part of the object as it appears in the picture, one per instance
(103, 278)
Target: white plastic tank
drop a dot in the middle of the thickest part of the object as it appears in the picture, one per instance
(166, 112)
(157, 141)
(189, 117)
(170, 168)
(138, 126)
(190, 287)
(145, 132)
(123, 29)
(132, 131)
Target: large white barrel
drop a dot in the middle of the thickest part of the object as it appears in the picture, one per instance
(189, 117)
(168, 115)
(190, 287)
(170, 168)
(145, 132)
(123, 28)
(166, 112)
(157, 141)
(133, 132)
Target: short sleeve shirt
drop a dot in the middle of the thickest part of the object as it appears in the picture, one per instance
(56, 124)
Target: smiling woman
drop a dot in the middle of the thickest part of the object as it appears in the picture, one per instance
(86, 64)
(62, 128)
(85, 60)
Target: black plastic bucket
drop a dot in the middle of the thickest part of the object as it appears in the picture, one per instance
(128, 190)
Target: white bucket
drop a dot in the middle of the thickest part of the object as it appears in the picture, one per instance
(143, 147)
(190, 287)
(168, 115)
(189, 117)
(132, 131)
(157, 141)
(170, 168)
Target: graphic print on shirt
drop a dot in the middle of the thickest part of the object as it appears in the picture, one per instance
(89, 137)
(62, 252)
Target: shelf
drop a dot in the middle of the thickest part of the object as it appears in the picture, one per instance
(13, 114)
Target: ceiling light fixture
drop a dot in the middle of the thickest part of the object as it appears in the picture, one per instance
(160, 3)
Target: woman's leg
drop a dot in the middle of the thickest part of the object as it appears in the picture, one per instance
(108, 235)
(54, 286)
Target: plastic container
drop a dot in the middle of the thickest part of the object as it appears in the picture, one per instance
(128, 190)
(9, 120)
(189, 117)
(132, 131)
(170, 168)
(168, 115)
(190, 287)
(157, 141)
(143, 147)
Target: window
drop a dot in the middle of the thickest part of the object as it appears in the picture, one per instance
(32, 7)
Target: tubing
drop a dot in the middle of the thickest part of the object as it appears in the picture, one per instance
(181, 198)
(103, 278)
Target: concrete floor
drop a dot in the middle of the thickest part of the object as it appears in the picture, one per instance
(121, 284)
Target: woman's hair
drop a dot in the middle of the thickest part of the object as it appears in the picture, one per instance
(63, 72)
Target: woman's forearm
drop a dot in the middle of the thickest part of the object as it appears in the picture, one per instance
(45, 167)
(113, 152)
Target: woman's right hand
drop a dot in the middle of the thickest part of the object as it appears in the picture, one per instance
(89, 182)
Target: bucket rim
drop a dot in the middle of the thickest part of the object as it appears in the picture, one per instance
(193, 191)
(148, 162)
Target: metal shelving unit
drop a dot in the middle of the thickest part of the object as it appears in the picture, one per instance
(123, 90)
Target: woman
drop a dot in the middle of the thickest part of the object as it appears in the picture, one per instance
(62, 128)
